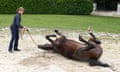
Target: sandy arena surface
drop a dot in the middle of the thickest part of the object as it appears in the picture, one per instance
(32, 59)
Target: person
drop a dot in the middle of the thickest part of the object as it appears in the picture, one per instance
(15, 26)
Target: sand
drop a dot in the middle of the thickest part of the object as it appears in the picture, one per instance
(32, 59)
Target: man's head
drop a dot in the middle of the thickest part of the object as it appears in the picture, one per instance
(20, 10)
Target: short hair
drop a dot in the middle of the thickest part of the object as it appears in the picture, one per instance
(20, 8)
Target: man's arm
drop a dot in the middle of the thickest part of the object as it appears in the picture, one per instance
(18, 21)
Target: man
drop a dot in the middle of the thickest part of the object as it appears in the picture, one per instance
(16, 25)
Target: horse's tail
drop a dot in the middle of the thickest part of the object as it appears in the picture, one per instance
(94, 62)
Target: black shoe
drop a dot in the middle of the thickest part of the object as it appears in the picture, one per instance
(10, 51)
(17, 50)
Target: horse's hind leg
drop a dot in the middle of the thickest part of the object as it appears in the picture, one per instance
(58, 33)
(48, 38)
(91, 34)
(97, 41)
(89, 47)
(83, 40)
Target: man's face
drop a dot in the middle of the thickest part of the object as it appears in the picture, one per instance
(21, 11)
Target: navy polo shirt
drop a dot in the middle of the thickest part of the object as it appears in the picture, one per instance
(17, 22)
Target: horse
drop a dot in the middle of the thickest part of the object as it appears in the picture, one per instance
(89, 51)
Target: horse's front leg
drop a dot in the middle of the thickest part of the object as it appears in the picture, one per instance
(49, 39)
(58, 33)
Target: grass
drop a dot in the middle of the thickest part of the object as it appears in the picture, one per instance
(69, 22)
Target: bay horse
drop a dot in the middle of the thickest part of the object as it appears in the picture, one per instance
(89, 51)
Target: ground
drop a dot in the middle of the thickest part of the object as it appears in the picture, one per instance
(32, 59)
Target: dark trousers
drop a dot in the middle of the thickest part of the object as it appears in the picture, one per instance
(14, 39)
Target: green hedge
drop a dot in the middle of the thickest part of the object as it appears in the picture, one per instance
(76, 7)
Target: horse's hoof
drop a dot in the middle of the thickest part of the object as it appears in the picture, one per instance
(56, 30)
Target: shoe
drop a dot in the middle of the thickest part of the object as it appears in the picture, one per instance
(17, 50)
(10, 51)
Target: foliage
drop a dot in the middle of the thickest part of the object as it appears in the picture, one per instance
(47, 6)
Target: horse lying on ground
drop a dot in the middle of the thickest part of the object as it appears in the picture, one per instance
(89, 51)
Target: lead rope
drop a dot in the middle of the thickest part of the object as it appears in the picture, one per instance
(44, 53)
(31, 37)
